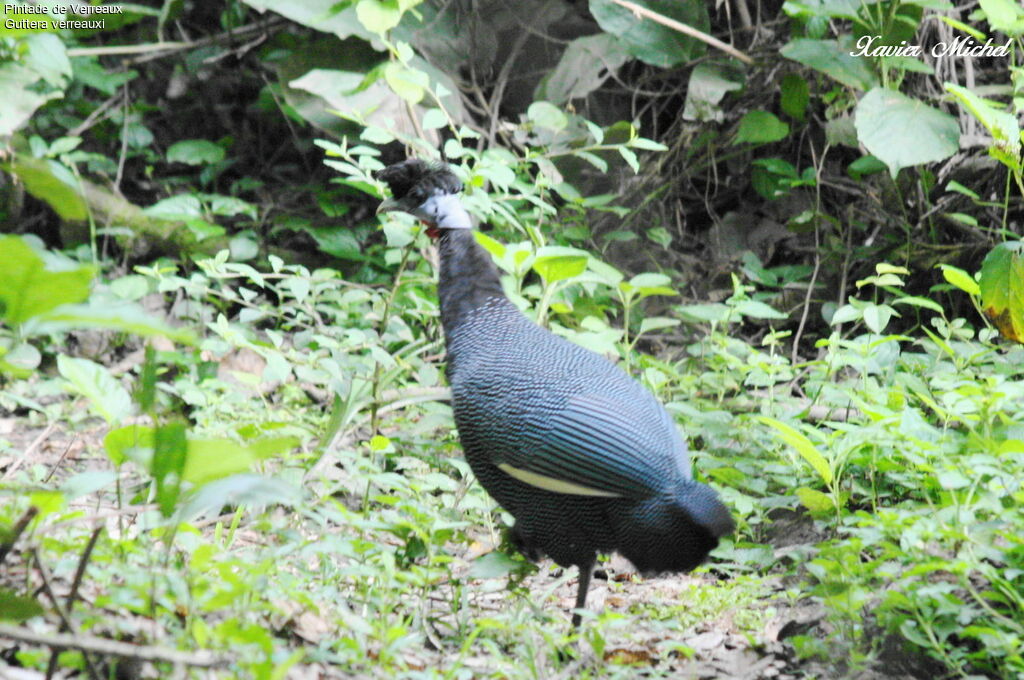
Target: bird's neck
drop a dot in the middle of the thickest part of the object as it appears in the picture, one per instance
(468, 277)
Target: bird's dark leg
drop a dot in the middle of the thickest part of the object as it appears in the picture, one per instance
(586, 570)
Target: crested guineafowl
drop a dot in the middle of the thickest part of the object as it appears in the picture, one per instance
(584, 458)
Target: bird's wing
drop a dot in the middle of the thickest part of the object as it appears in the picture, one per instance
(599, 446)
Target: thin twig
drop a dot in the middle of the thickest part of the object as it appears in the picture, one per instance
(16, 531)
(105, 647)
(36, 443)
(80, 571)
(639, 11)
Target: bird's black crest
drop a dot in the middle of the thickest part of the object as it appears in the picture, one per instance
(418, 180)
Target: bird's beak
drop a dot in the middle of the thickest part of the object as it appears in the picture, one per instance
(388, 205)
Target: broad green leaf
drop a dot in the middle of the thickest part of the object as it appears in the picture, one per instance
(408, 83)
(46, 54)
(760, 127)
(903, 132)
(712, 312)
(493, 565)
(815, 501)
(560, 267)
(47, 180)
(649, 40)
(834, 59)
(1005, 16)
(195, 152)
(378, 16)
(495, 248)
(118, 442)
(961, 279)
(803, 446)
(124, 317)
(1002, 289)
(210, 459)
(656, 323)
(708, 85)
(14, 607)
(876, 317)
(107, 398)
(548, 116)
(758, 310)
(886, 268)
(19, 101)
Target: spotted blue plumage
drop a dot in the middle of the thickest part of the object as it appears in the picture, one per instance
(583, 457)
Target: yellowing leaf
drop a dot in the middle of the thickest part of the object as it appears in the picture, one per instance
(1002, 289)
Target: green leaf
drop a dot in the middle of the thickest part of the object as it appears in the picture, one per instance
(1001, 124)
(760, 127)
(815, 501)
(546, 115)
(107, 398)
(168, 462)
(656, 323)
(876, 317)
(408, 83)
(118, 442)
(903, 132)
(796, 96)
(19, 101)
(493, 565)
(210, 459)
(833, 59)
(1002, 289)
(560, 267)
(47, 180)
(195, 152)
(14, 607)
(495, 248)
(961, 279)
(803, 446)
(1004, 16)
(378, 16)
(758, 310)
(121, 316)
(649, 40)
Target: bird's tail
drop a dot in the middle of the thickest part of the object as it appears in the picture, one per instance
(674, 532)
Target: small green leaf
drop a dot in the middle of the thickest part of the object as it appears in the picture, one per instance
(760, 127)
(960, 279)
(796, 95)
